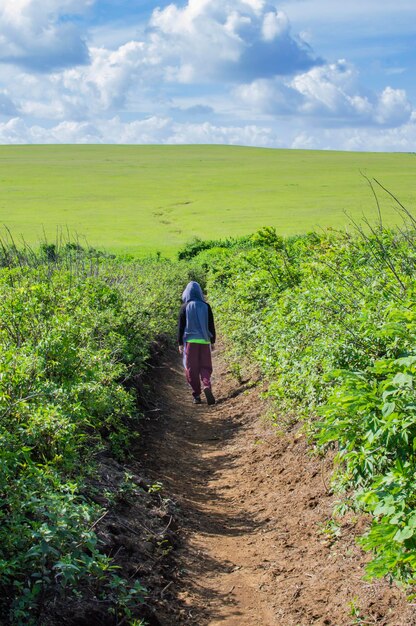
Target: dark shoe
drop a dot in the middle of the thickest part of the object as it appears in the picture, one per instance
(209, 395)
(197, 400)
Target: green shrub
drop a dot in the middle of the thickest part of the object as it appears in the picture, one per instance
(330, 321)
(70, 337)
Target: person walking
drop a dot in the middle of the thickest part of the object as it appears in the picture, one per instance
(196, 338)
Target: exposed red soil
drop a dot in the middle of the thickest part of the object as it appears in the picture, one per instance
(252, 505)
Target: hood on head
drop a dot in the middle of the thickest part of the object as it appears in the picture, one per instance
(192, 291)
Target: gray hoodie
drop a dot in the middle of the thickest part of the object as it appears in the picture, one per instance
(197, 310)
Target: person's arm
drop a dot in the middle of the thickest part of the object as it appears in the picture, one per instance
(181, 325)
(211, 325)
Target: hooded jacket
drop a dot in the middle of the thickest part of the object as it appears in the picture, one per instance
(196, 320)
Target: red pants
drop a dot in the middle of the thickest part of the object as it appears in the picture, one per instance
(198, 366)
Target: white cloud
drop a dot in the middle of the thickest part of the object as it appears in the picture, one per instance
(164, 130)
(327, 88)
(270, 97)
(334, 90)
(14, 131)
(33, 35)
(230, 40)
(329, 93)
(275, 24)
(401, 139)
(89, 91)
(105, 82)
(393, 107)
(149, 131)
(245, 135)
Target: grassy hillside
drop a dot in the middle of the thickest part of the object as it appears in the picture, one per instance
(141, 199)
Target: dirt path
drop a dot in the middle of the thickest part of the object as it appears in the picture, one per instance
(252, 506)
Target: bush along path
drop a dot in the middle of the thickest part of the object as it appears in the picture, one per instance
(252, 517)
(329, 319)
(76, 335)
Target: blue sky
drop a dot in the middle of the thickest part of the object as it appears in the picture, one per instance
(293, 74)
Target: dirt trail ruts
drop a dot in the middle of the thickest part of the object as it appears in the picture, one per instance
(253, 505)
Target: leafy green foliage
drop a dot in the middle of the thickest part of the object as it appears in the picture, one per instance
(73, 329)
(196, 245)
(330, 321)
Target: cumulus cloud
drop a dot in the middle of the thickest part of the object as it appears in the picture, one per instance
(204, 71)
(331, 88)
(88, 91)
(165, 130)
(330, 93)
(400, 139)
(393, 107)
(111, 74)
(148, 131)
(14, 131)
(271, 97)
(231, 40)
(245, 135)
(38, 36)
